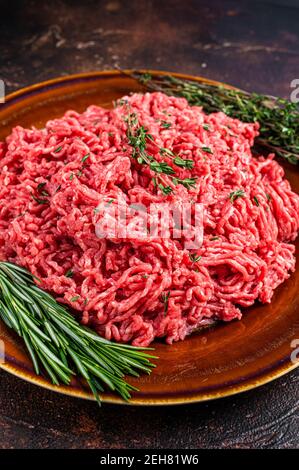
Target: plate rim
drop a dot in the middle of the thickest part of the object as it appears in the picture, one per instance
(276, 371)
(197, 397)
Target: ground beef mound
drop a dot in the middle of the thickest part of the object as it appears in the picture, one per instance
(49, 192)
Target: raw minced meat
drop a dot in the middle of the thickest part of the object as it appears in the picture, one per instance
(53, 179)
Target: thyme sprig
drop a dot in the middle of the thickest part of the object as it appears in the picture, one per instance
(59, 345)
(138, 138)
(177, 160)
(278, 118)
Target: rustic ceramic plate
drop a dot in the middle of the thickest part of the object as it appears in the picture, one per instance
(214, 363)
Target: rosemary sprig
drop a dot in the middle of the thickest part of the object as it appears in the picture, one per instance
(278, 118)
(59, 344)
(138, 138)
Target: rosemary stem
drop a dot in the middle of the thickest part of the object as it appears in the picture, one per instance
(58, 345)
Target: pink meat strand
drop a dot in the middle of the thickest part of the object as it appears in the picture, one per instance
(118, 284)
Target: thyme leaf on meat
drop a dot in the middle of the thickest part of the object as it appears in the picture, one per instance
(194, 257)
(236, 194)
(165, 298)
(138, 138)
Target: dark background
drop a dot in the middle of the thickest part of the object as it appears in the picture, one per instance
(254, 45)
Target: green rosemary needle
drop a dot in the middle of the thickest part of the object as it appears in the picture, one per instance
(59, 345)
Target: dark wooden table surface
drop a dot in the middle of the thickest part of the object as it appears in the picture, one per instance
(254, 45)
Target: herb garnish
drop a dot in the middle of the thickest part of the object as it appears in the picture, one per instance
(58, 149)
(145, 78)
(256, 200)
(38, 200)
(165, 189)
(85, 157)
(165, 125)
(41, 185)
(236, 194)
(121, 102)
(207, 149)
(138, 137)
(74, 299)
(194, 258)
(42, 191)
(278, 118)
(178, 161)
(69, 273)
(165, 298)
(55, 340)
(188, 183)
